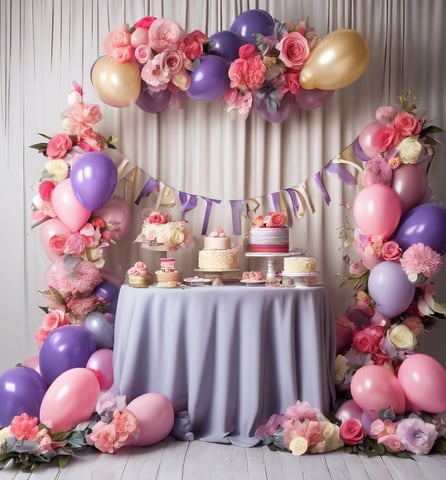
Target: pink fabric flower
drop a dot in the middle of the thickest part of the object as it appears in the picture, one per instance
(294, 50)
(24, 427)
(417, 436)
(192, 45)
(392, 443)
(300, 411)
(407, 124)
(351, 431)
(421, 259)
(59, 146)
(377, 170)
(156, 218)
(270, 427)
(142, 53)
(391, 251)
(164, 34)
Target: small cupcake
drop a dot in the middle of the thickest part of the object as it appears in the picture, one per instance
(139, 277)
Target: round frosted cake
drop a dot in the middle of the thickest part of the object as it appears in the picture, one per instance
(299, 265)
(167, 272)
(269, 234)
(218, 260)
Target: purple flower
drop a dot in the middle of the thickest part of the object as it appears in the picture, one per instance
(417, 436)
(270, 427)
(377, 170)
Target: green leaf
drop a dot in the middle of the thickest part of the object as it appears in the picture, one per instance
(63, 460)
(41, 147)
(439, 446)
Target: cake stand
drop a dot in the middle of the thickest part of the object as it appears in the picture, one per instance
(216, 275)
(299, 278)
(270, 273)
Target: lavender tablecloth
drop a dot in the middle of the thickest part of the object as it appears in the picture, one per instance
(230, 356)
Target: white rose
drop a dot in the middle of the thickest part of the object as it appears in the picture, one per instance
(58, 169)
(341, 369)
(402, 337)
(409, 150)
(4, 434)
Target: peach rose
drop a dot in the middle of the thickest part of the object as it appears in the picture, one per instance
(294, 50)
(258, 221)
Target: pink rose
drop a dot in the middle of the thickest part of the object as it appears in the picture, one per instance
(171, 61)
(157, 218)
(292, 82)
(384, 138)
(145, 22)
(247, 51)
(407, 124)
(142, 53)
(391, 251)
(276, 219)
(164, 34)
(392, 443)
(57, 244)
(54, 319)
(59, 145)
(357, 269)
(367, 340)
(294, 50)
(192, 45)
(258, 221)
(351, 431)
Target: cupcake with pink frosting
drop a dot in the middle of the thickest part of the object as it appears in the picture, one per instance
(138, 275)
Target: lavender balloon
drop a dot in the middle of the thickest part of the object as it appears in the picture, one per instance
(426, 223)
(359, 152)
(102, 331)
(93, 179)
(251, 22)
(21, 391)
(285, 109)
(390, 288)
(312, 98)
(226, 44)
(209, 81)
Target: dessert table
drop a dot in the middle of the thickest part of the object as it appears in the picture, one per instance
(228, 356)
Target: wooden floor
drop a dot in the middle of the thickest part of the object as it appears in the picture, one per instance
(176, 460)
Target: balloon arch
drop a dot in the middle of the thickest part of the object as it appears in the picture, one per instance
(64, 398)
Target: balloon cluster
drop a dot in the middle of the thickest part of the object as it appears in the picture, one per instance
(400, 238)
(259, 62)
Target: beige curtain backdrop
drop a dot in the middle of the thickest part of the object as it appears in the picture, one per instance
(46, 44)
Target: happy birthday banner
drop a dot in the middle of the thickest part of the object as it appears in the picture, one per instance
(293, 200)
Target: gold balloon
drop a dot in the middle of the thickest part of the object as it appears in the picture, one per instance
(117, 84)
(337, 61)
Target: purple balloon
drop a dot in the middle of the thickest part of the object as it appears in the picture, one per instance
(153, 102)
(93, 179)
(21, 391)
(390, 288)
(226, 44)
(410, 183)
(108, 291)
(358, 151)
(285, 109)
(209, 81)
(311, 99)
(426, 223)
(251, 22)
(65, 348)
(102, 330)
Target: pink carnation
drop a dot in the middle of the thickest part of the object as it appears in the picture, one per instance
(377, 170)
(24, 427)
(421, 259)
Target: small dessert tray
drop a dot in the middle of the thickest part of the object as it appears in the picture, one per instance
(197, 281)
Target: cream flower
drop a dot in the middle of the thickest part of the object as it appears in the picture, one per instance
(331, 434)
(409, 150)
(58, 169)
(341, 368)
(402, 337)
(176, 237)
(298, 445)
(4, 434)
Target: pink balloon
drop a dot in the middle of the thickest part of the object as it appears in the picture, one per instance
(48, 230)
(67, 206)
(70, 399)
(377, 210)
(374, 388)
(423, 381)
(349, 409)
(366, 136)
(101, 361)
(116, 214)
(32, 362)
(410, 184)
(155, 415)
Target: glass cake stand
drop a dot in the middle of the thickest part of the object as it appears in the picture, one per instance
(216, 275)
(270, 257)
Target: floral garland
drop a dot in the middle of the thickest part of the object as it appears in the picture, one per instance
(391, 400)
(260, 62)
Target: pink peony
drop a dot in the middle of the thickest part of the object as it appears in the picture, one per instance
(294, 50)
(301, 411)
(417, 436)
(24, 427)
(164, 34)
(421, 259)
(59, 146)
(351, 431)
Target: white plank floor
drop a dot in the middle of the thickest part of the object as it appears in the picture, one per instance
(176, 460)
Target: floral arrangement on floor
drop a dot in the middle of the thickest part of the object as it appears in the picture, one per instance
(259, 62)
(160, 232)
